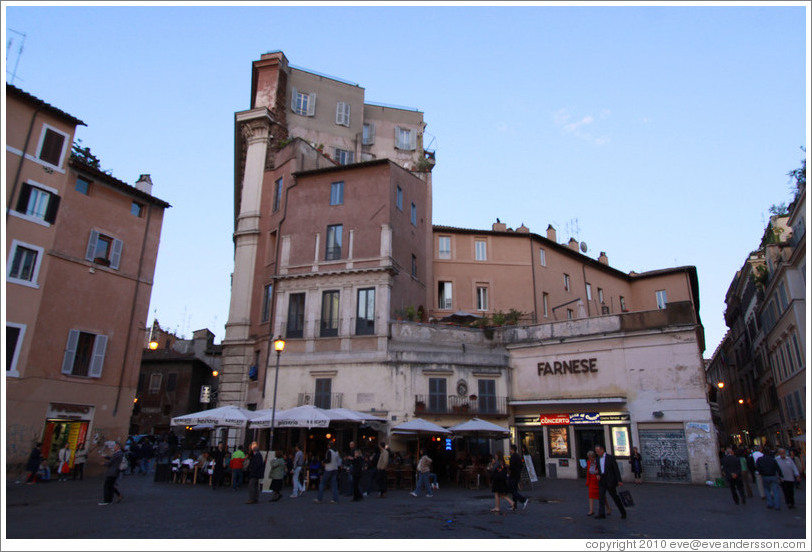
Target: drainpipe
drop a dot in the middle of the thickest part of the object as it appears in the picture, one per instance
(533, 273)
(16, 181)
(132, 308)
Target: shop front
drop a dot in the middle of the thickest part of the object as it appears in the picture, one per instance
(65, 423)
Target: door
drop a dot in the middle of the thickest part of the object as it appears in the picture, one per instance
(585, 440)
(533, 444)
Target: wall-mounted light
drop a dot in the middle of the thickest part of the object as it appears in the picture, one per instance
(741, 401)
(658, 414)
(720, 385)
(153, 345)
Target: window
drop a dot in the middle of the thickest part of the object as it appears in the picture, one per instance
(368, 135)
(569, 314)
(82, 186)
(414, 266)
(365, 319)
(333, 251)
(14, 341)
(799, 405)
(296, 305)
(303, 104)
(444, 251)
(51, 147)
(661, 298)
(566, 282)
(481, 298)
(329, 314)
(155, 383)
(399, 198)
(277, 198)
(104, 250)
(481, 250)
(782, 296)
(414, 214)
(623, 304)
(84, 354)
(487, 397)
(600, 295)
(24, 263)
(542, 257)
(142, 378)
(545, 300)
(324, 388)
(405, 138)
(344, 157)
(797, 349)
(588, 291)
(38, 203)
(343, 114)
(171, 382)
(337, 193)
(267, 297)
(444, 296)
(437, 395)
(136, 209)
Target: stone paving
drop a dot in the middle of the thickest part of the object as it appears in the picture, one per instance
(557, 510)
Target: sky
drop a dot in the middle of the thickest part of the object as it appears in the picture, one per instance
(660, 133)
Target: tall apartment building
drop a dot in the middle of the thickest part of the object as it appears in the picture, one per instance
(331, 247)
(81, 248)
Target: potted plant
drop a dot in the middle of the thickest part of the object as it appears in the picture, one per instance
(419, 406)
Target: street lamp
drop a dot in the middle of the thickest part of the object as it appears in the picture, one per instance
(279, 346)
(720, 385)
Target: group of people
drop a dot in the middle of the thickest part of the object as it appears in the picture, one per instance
(39, 467)
(769, 469)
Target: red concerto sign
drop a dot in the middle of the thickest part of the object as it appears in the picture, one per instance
(554, 419)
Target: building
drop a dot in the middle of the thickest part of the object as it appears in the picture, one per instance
(329, 254)
(81, 247)
(179, 376)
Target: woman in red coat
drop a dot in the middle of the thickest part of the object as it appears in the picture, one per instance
(592, 469)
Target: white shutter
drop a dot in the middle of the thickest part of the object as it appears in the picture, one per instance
(346, 114)
(311, 105)
(398, 143)
(294, 98)
(115, 256)
(97, 362)
(412, 139)
(91, 246)
(371, 134)
(70, 352)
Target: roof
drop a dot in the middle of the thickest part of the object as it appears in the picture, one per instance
(360, 164)
(116, 183)
(33, 100)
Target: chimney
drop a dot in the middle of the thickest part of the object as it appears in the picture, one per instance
(573, 244)
(523, 229)
(499, 226)
(144, 184)
(602, 258)
(551, 233)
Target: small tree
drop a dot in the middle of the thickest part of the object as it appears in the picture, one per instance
(84, 155)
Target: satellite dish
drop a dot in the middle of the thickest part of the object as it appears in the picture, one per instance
(583, 247)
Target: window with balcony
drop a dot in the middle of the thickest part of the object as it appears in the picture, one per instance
(437, 395)
(324, 387)
(104, 250)
(365, 319)
(444, 296)
(487, 397)
(84, 354)
(329, 314)
(296, 310)
(333, 251)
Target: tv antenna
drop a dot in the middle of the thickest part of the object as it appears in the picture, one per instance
(12, 42)
(573, 229)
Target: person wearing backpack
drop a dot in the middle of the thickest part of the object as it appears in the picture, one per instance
(332, 461)
(114, 464)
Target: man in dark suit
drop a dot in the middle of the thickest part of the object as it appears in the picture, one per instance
(608, 482)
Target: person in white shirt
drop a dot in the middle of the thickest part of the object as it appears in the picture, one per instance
(787, 477)
(758, 453)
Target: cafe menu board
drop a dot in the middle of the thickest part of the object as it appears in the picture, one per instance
(559, 441)
(620, 441)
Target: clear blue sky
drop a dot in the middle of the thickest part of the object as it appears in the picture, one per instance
(660, 135)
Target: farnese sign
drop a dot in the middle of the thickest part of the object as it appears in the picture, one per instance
(575, 366)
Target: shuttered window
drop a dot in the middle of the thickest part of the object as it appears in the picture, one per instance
(38, 203)
(405, 138)
(302, 103)
(104, 250)
(343, 114)
(84, 354)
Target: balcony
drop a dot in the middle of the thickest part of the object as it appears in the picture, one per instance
(452, 405)
(321, 400)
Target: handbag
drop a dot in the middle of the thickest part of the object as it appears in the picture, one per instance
(64, 468)
(626, 498)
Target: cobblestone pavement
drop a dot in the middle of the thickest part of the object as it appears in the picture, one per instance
(557, 510)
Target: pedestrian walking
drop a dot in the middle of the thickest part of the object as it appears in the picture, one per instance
(219, 473)
(499, 484)
(592, 470)
(332, 462)
(114, 470)
(732, 468)
(636, 463)
(236, 465)
(298, 465)
(63, 468)
(768, 468)
(788, 476)
(256, 470)
(758, 453)
(79, 459)
(33, 463)
(514, 476)
(741, 454)
(423, 470)
(608, 482)
(382, 466)
(277, 474)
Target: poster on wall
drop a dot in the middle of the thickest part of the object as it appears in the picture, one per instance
(665, 455)
(559, 442)
(620, 441)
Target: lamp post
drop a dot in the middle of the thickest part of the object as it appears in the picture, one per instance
(279, 346)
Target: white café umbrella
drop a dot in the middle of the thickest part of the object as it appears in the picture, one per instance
(419, 425)
(308, 416)
(354, 415)
(222, 416)
(476, 427)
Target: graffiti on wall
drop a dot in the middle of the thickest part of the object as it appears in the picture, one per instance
(665, 455)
